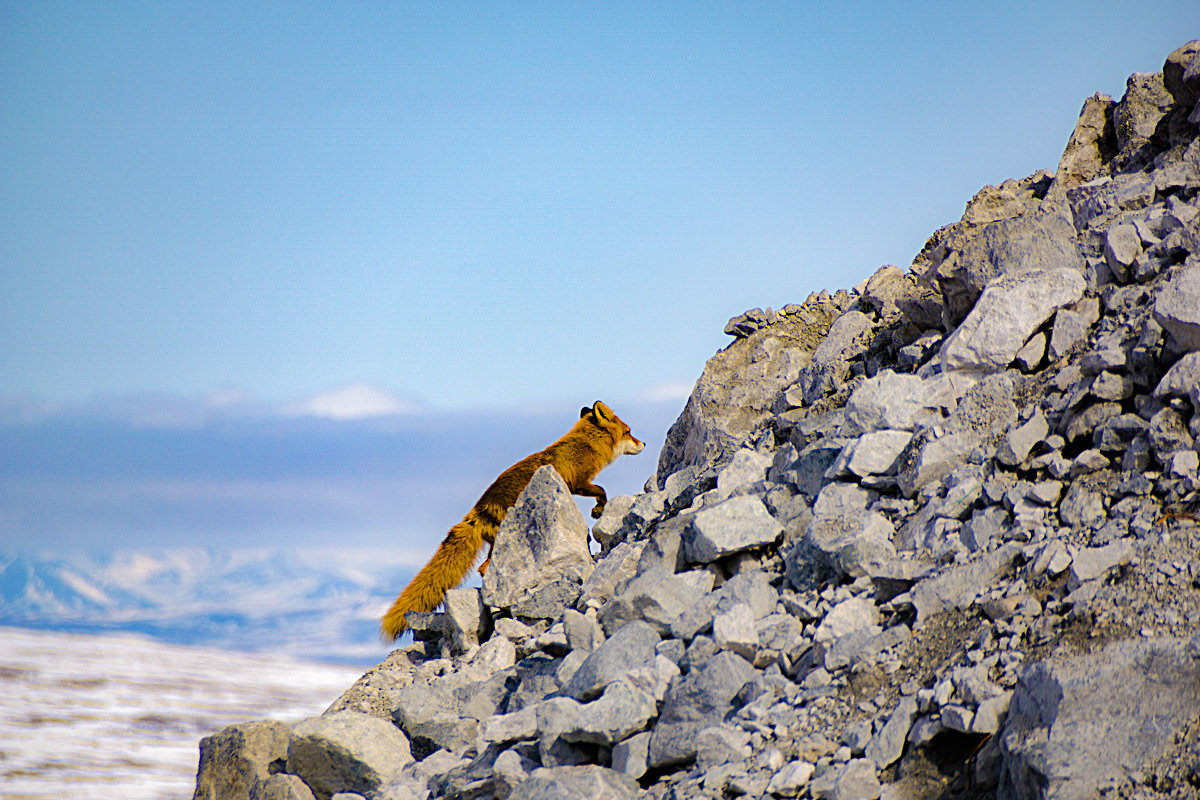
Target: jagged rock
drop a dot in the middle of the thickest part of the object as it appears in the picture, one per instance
(751, 589)
(734, 630)
(1092, 144)
(346, 752)
(629, 757)
(739, 523)
(720, 744)
(621, 711)
(629, 648)
(736, 392)
(1177, 307)
(1020, 441)
(575, 783)
(1070, 328)
(887, 745)
(239, 756)
(874, 453)
(1181, 74)
(1183, 378)
(958, 586)
(1007, 313)
(1138, 113)
(467, 620)
(282, 787)
(654, 597)
(693, 702)
(788, 781)
(1077, 725)
(892, 401)
(854, 780)
(1092, 563)
(541, 556)
(618, 565)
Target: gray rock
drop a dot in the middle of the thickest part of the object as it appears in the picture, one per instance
(693, 702)
(583, 633)
(1079, 723)
(432, 718)
(508, 727)
(1070, 328)
(657, 598)
(1177, 307)
(751, 589)
(605, 529)
(1082, 508)
(1111, 386)
(233, 760)
(1018, 443)
(848, 338)
(887, 745)
(891, 401)
(629, 648)
(789, 780)
(1138, 113)
(1089, 147)
(1183, 378)
(1181, 76)
(541, 557)
(1007, 313)
(575, 783)
(849, 616)
(874, 453)
(720, 744)
(734, 630)
(623, 710)
(854, 780)
(852, 542)
(346, 752)
(509, 769)
(1122, 245)
(735, 395)
(1031, 353)
(746, 468)
(282, 787)
(618, 565)
(467, 621)
(739, 523)
(629, 757)
(1092, 563)
(959, 585)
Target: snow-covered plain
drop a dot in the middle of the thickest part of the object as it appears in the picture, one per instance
(120, 716)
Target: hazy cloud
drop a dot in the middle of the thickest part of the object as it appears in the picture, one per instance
(358, 401)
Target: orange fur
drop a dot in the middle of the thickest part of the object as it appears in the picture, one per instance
(594, 442)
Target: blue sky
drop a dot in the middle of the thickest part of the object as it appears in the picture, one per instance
(240, 217)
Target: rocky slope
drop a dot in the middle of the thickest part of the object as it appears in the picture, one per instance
(934, 536)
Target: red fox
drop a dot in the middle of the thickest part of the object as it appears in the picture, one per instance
(594, 442)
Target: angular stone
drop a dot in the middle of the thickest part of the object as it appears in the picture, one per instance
(751, 589)
(1122, 245)
(1070, 328)
(629, 648)
(789, 780)
(346, 752)
(875, 453)
(696, 701)
(654, 597)
(588, 782)
(959, 585)
(740, 523)
(892, 401)
(285, 787)
(887, 745)
(629, 757)
(1183, 378)
(1181, 74)
(719, 744)
(734, 630)
(848, 616)
(1021, 440)
(1031, 353)
(623, 710)
(1079, 723)
(431, 717)
(233, 760)
(1007, 313)
(1092, 143)
(854, 780)
(1091, 563)
(1177, 307)
(541, 547)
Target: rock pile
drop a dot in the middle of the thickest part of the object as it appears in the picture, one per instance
(936, 536)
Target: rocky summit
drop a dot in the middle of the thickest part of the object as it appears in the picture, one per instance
(934, 536)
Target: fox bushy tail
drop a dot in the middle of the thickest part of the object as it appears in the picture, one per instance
(446, 570)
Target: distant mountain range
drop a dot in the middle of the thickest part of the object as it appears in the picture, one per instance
(321, 605)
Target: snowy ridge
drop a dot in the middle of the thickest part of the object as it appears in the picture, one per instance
(315, 604)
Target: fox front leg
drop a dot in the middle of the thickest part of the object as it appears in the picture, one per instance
(592, 490)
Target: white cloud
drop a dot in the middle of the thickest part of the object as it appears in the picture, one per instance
(668, 392)
(358, 401)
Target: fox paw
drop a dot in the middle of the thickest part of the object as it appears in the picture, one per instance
(597, 510)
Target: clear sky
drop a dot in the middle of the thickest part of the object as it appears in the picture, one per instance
(355, 211)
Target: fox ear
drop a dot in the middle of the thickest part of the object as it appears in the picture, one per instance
(601, 410)
(583, 412)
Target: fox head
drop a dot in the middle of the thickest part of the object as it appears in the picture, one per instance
(624, 442)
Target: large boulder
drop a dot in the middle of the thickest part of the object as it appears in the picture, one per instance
(541, 557)
(233, 760)
(1079, 724)
(346, 752)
